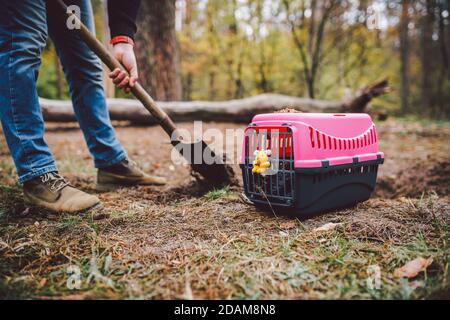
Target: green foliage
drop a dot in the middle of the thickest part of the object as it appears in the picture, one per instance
(47, 81)
(235, 49)
(217, 193)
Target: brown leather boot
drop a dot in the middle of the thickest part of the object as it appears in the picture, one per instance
(125, 174)
(52, 192)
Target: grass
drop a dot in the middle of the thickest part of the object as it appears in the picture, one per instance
(414, 119)
(181, 242)
(217, 193)
(247, 265)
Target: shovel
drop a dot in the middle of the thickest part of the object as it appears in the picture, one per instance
(214, 171)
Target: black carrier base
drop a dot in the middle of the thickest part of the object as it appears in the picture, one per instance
(311, 191)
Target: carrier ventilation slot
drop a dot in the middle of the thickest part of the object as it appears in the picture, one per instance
(359, 170)
(320, 140)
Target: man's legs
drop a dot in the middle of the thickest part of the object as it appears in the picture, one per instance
(84, 75)
(23, 34)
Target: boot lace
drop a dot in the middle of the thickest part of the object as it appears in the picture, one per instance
(133, 164)
(54, 181)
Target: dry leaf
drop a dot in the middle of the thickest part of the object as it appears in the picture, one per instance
(327, 227)
(156, 165)
(288, 225)
(283, 234)
(42, 282)
(413, 268)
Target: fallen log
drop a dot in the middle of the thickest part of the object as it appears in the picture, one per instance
(359, 103)
(241, 110)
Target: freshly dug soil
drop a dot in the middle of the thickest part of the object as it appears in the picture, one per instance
(417, 159)
(415, 180)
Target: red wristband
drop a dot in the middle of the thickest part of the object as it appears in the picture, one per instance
(121, 39)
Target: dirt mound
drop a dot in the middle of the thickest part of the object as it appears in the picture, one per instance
(288, 110)
(414, 181)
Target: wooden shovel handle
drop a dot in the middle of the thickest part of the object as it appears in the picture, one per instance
(112, 63)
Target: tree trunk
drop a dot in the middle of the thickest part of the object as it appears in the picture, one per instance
(310, 87)
(59, 78)
(241, 110)
(444, 72)
(404, 57)
(143, 47)
(110, 89)
(427, 57)
(188, 55)
(311, 52)
(359, 103)
(157, 48)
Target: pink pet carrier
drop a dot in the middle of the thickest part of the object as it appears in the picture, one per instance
(318, 162)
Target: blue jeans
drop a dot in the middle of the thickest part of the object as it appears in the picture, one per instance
(24, 28)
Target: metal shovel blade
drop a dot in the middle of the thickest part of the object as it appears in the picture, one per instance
(206, 162)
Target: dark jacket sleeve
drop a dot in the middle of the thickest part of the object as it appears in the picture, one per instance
(122, 17)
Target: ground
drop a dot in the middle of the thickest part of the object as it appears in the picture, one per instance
(182, 241)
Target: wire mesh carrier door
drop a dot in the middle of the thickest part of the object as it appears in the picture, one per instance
(311, 171)
(277, 186)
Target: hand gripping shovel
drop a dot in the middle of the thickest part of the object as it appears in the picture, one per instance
(213, 169)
